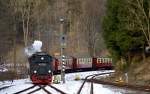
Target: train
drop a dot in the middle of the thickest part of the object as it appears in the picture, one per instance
(43, 66)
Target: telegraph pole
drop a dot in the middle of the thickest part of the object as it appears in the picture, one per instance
(63, 44)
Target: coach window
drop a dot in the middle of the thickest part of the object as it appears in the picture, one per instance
(85, 60)
(82, 60)
(88, 60)
(79, 61)
(66, 61)
(104, 60)
(107, 60)
(99, 60)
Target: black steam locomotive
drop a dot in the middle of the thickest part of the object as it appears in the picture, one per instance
(41, 68)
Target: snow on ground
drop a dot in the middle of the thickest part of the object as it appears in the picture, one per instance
(3, 69)
(70, 87)
(71, 76)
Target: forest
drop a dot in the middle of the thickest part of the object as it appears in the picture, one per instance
(23, 21)
(127, 36)
(127, 30)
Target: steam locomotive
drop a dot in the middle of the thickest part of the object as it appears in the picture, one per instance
(41, 69)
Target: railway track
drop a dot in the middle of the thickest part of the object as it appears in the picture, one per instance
(122, 85)
(25, 89)
(2, 88)
(40, 87)
(91, 77)
(58, 90)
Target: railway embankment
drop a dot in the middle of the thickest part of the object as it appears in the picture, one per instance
(137, 74)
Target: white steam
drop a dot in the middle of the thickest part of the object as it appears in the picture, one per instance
(35, 47)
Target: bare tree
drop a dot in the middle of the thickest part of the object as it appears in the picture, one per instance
(24, 10)
(92, 23)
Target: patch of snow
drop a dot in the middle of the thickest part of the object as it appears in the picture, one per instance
(70, 87)
(3, 69)
(82, 75)
(40, 92)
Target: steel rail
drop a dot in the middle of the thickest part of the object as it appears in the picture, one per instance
(25, 89)
(5, 87)
(133, 87)
(86, 78)
(58, 90)
(34, 90)
(43, 87)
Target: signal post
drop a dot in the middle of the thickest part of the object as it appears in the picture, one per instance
(63, 45)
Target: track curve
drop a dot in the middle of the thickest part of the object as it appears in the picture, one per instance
(92, 77)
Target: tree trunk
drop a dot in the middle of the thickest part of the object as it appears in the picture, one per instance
(14, 49)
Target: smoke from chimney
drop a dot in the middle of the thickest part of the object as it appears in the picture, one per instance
(35, 47)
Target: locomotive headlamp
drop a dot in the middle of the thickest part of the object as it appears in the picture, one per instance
(42, 58)
(35, 71)
(49, 71)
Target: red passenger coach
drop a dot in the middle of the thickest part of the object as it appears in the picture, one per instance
(82, 64)
(104, 63)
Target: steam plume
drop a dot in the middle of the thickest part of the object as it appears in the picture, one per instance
(35, 47)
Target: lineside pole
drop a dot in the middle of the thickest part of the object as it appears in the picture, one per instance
(62, 51)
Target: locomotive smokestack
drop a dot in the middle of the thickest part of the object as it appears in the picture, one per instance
(35, 47)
